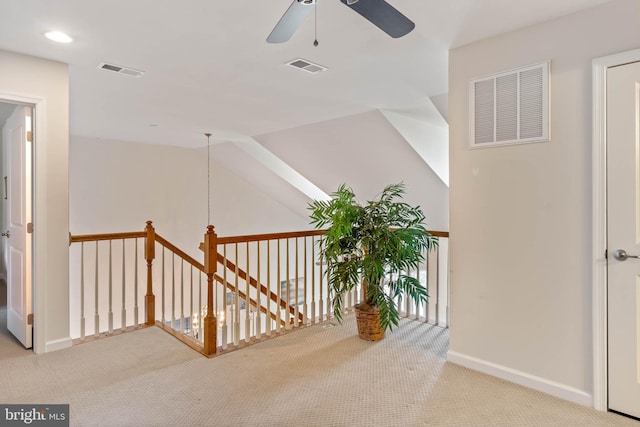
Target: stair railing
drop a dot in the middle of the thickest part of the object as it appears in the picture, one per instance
(248, 287)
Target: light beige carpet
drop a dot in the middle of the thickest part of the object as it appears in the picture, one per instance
(319, 376)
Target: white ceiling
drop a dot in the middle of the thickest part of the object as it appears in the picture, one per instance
(208, 67)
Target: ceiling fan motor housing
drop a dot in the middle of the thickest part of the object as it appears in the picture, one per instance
(378, 12)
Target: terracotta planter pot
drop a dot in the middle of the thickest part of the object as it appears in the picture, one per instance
(368, 319)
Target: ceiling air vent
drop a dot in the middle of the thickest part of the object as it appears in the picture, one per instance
(120, 70)
(308, 66)
(510, 107)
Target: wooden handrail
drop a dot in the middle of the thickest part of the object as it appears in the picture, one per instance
(291, 235)
(221, 240)
(263, 289)
(107, 236)
(173, 248)
(439, 233)
(271, 236)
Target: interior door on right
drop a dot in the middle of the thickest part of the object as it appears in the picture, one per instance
(623, 228)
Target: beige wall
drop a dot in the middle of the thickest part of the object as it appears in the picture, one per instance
(521, 215)
(116, 186)
(366, 152)
(47, 84)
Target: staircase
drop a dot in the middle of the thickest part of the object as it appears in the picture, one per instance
(247, 288)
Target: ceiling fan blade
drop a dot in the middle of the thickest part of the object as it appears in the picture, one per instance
(290, 21)
(382, 15)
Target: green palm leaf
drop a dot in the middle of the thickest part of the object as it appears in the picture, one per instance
(376, 242)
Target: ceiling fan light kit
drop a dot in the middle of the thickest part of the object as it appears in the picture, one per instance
(378, 12)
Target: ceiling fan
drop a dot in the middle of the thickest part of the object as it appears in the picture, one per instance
(378, 12)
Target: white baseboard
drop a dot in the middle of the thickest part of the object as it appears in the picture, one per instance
(58, 344)
(537, 383)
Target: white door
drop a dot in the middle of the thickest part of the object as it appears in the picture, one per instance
(623, 228)
(18, 246)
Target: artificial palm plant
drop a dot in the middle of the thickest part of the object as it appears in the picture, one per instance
(376, 244)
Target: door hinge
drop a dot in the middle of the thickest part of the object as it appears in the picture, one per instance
(606, 254)
(30, 319)
(29, 136)
(30, 227)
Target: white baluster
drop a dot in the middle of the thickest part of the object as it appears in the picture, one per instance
(97, 316)
(296, 312)
(407, 298)
(200, 317)
(225, 328)
(314, 318)
(247, 300)
(82, 319)
(287, 297)
(428, 283)
(268, 322)
(163, 288)
(236, 308)
(258, 294)
(321, 301)
(173, 290)
(191, 312)
(110, 291)
(135, 286)
(305, 307)
(421, 316)
(279, 291)
(438, 288)
(182, 327)
(123, 321)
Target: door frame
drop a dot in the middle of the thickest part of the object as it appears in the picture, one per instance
(599, 221)
(39, 172)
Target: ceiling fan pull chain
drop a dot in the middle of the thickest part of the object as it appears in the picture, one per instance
(315, 12)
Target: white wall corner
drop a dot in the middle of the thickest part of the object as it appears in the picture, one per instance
(58, 344)
(282, 169)
(426, 131)
(544, 385)
(441, 102)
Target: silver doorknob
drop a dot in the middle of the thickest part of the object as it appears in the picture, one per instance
(7, 234)
(621, 255)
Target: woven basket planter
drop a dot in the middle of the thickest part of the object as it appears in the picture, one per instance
(368, 319)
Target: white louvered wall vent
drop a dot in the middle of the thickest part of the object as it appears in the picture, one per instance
(510, 107)
(120, 70)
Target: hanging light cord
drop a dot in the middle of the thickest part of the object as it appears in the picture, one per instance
(315, 12)
(208, 135)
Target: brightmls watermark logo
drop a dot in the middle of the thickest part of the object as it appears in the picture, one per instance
(34, 415)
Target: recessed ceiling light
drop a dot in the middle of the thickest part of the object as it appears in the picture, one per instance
(59, 37)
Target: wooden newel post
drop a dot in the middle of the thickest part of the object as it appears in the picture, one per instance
(210, 267)
(149, 255)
